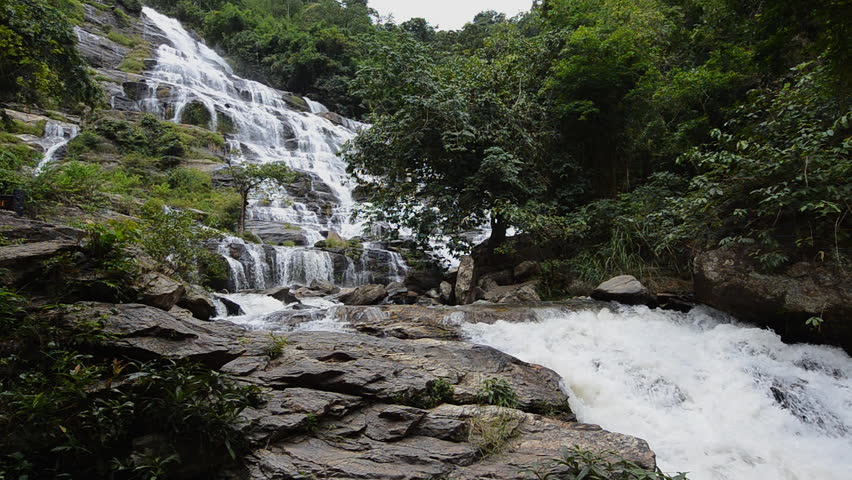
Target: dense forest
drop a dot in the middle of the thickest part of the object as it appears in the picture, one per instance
(625, 135)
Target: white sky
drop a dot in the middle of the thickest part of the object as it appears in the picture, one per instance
(446, 14)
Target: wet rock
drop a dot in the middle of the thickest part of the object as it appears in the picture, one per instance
(158, 290)
(282, 294)
(624, 289)
(274, 233)
(198, 302)
(731, 281)
(98, 51)
(524, 293)
(365, 295)
(232, 308)
(465, 293)
(326, 288)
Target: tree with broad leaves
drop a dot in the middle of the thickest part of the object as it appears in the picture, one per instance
(246, 178)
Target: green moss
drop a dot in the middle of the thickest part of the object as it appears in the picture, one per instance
(134, 61)
(224, 124)
(196, 113)
(13, 125)
(123, 39)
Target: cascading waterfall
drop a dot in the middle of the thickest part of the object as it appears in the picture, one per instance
(267, 129)
(713, 397)
(56, 136)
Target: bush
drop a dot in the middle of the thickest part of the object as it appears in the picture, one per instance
(577, 464)
(196, 113)
(499, 392)
(175, 240)
(68, 184)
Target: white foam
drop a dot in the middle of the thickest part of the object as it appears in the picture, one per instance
(699, 387)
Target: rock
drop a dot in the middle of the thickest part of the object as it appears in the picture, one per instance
(730, 281)
(198, 302)
(23, 261)
(524, 293)
(274, 233)
(158, 290)
(526, 270)
(232, 308)
(145, 333)
(488, 284)
(326, 288)
(492, 279)
(433, 294)
(465, 281)
(624, 289)
(446, 289)
(423, 279)
(282, 294)
(365, 295)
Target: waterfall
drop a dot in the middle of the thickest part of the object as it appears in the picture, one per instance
(713, 397)
(264, 125)
(56, 136)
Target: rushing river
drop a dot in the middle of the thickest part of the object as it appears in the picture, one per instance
(713, 397)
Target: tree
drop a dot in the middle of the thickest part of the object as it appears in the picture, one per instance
(39, 62)
(454, 143)
(247, 177)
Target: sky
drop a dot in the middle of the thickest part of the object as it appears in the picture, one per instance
(446, 14)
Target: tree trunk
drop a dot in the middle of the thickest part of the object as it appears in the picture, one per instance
(241, 224)
(498, 230)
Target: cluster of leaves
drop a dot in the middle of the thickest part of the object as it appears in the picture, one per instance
(39, 62)
(498, 392)
(579, 464)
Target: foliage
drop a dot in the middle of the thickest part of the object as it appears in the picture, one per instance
(276, 346)
(39, 62)
(499, 392)
(579, 464)
(176, 241)
(247, 177)
(491, 431)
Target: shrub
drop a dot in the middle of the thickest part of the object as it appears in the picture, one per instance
(196, 113)
(175, 240)
(490, 432)
(578, 464)
(499, 392)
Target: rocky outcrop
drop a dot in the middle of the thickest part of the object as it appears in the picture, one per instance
(523, 293)
(282, 294)
(364, 295)
(784, 301)
(465, 281)
(624, 289)
(274, 233)
(158, 290)
(360, 406)
(197, 301)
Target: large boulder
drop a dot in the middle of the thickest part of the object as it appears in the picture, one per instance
(526, 270)
(325, 288)
(624, 289)
(365, 295)
(446, 289)
(524, 293)
(282, 294)
(731, 281)
(465, 282)
(158, 290)
(199, 302)
(145, 333)
(275, 233)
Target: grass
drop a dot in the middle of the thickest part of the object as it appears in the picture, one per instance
(124, 40)
(134, 61)
(491, 432)
(276, 348)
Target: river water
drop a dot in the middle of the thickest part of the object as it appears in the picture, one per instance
(713, 397)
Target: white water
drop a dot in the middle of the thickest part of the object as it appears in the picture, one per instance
(56, 136)
(258, 310)
(699, 388)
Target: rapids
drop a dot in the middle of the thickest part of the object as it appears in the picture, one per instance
(713, 397)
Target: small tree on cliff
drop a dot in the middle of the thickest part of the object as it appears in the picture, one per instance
(246, 178)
